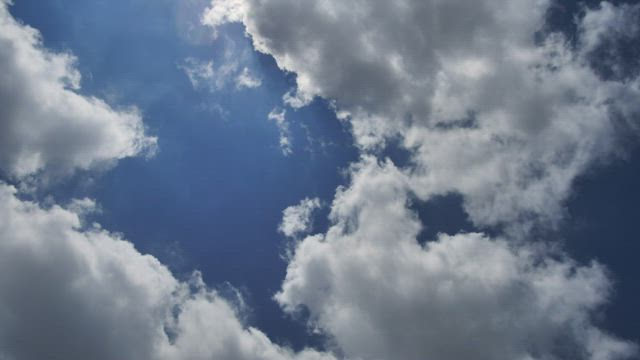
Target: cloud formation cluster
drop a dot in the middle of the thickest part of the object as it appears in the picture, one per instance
(75, 292)
(71, 290)
(491, 105)
(46, 126)
(382, 295)
(486, 108)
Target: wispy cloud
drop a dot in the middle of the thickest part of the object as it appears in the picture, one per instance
(279, 117)
(246, 79)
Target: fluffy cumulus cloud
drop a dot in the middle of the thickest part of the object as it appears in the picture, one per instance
(489, 105)
(69, 291)
(492, 105)
(45, 124)
(297, 219)
(382, 295)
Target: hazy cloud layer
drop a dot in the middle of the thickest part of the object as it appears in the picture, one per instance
(45, 124)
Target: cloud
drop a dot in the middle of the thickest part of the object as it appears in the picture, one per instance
(203, 75)
(490, 104)
(247, 80)
(222, 12)
(484, 110)
(199, 72)
(380, 294)
(296, 219)
(46, 126)
(279, 117)
(68, 291)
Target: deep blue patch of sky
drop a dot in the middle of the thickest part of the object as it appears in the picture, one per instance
(212, 198)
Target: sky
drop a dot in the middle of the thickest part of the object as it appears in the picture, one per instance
(282, 179)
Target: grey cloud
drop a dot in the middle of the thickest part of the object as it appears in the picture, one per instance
(381, 295)
(415, 70)
(538, 116)
(488, 110)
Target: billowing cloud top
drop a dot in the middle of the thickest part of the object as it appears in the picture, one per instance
(45, 125)
(297, 219)
(382, 295)
(491, 104)
(74, 293)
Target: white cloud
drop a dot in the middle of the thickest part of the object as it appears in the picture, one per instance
(485, 109)
(246, 79)
(199, 72)
(296, 219)
(228, 69)
(75, 293)
(485, 112)
(69, 290)
(382, 295)
(204, 75)
(279, 117)
(46, 126)
(489, 106)
(222, 12)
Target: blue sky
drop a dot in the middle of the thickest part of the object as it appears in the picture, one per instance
(225, 178)
(212, 196)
